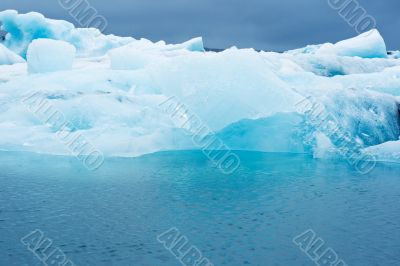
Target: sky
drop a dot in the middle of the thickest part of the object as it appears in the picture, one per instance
(276, 25)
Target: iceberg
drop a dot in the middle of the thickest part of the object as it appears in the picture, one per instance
(22, 29)
(316, 100)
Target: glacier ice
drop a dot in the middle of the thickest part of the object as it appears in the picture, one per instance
(47, 55)
(114, 92)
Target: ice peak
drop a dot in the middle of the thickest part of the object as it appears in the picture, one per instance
(369, 44)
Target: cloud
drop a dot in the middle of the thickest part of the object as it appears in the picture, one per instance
(270, 25)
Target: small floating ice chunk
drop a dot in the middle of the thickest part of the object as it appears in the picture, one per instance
(46, 55)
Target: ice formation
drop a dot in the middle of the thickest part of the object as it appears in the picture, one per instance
(46, 55)
(24, 28)
(8, 57)
(138, 54)
(367, 45)
(117, 89)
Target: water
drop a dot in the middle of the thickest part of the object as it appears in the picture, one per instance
(113, 216)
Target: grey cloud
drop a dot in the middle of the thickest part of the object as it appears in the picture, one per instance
(262, 24)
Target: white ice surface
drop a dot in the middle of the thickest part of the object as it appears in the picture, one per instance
(386, 152)
(46, 55)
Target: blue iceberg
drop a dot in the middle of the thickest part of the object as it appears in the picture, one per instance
(317, 100)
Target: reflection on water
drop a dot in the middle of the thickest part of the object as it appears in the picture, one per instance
(114, 215)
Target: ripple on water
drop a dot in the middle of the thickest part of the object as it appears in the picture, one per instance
(114, 215)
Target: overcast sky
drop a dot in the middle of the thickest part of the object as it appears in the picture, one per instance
(263, 24)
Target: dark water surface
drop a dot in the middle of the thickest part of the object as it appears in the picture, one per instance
(114, 215)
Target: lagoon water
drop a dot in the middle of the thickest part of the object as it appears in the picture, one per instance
(114, 215)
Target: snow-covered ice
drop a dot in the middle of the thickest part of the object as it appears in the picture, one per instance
(114, 92)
